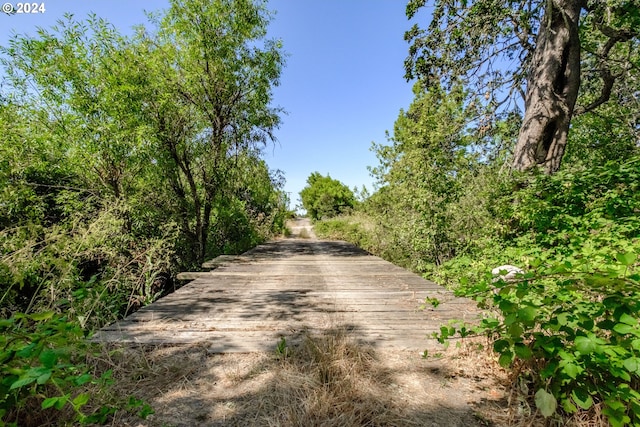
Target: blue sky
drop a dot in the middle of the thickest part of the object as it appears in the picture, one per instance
(343, 85)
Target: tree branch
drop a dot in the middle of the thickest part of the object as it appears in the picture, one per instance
(608, 79)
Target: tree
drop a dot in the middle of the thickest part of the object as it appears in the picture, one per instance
(325, 197)
(213, 73)
(84, 78)
(420, 176)
(542, 50)
(126, 158)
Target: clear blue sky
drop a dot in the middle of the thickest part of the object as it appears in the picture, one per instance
(343, 85)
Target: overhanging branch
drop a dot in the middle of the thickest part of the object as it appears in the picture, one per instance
(608, 78)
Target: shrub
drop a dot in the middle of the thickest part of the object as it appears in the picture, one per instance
(42, 368)
(570, 326)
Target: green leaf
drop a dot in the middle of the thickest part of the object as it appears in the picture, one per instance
(546, 402)
(523, 351)
(500, 345)
(83, 379)
(49, 402)
(48, 358)
(44, 377)
(27, 352)
(62, 400)
(616, 414)
(619, 372)
(585, 345)
(572, 370)
(569, 407)
(507, 306)
(80, 400)
(563, 318)
(146, 411)
(587, 324)
(527, 314)
(535, 263)
(615, 405)
(45, 315)
(632, 364)
(629, 320)
(624, 329)
(20, 382)
(582, 398)
(5, 323)
(505, 359)
(627, 258)
(516, 330)
(510, 319)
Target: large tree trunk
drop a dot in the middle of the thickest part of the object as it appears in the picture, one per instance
(552, 88)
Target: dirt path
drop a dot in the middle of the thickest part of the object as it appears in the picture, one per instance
(301, 228)
(324, 382)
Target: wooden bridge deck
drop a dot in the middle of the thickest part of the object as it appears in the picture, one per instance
(291, 287)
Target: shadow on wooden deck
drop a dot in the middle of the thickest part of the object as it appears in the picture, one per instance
(291, 287)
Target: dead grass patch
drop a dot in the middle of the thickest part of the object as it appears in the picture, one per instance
(324, 380)
(304, 234)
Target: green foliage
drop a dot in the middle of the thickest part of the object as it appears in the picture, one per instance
(422, 177)
(500, 49)
(572, 327)
(90, 265)
(41, 363)
(130, 179)
(213, 107)
(356, 228)
(490, 45)
(609, 134)
(134, 118)
(124, 160)
(325, 197)
(580, 211)
(570, 324)
(282, 349)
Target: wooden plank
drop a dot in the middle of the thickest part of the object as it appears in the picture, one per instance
(221, 274)
(187, 336)
(309, 317)
(192, 275)
(294, 287)
(224, 259)
(243, 343)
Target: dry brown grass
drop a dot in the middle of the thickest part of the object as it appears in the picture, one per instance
(328, 380)
(304, 234)
(324, 380)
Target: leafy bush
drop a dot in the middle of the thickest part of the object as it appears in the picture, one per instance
(569, 326)
(42, 368)
(346, 227)
(88, 265)
(572, 329)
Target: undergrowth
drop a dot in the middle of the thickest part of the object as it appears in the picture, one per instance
(568, 328)
(48, 377)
